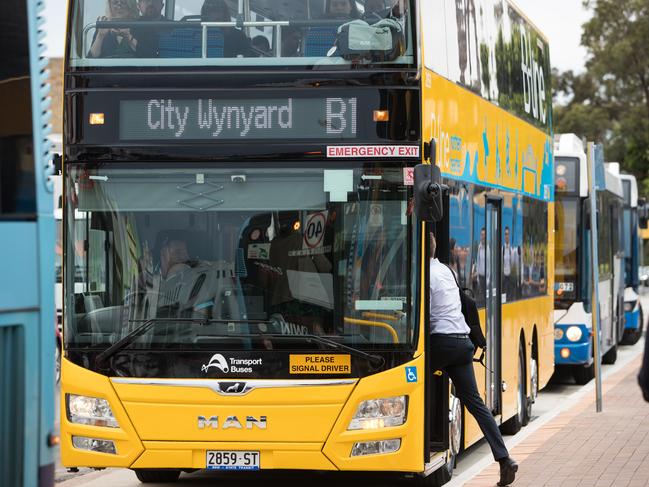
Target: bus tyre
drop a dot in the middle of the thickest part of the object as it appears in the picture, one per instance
(632, 336)
(147, 476)
(513, 425)
(583, 375)
(534, 390)
(610, 357)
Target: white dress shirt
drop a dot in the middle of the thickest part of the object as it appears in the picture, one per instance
(445, 305)
(482, 260)
(507, 260)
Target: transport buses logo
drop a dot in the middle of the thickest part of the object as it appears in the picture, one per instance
(234, 365)
(218, 361)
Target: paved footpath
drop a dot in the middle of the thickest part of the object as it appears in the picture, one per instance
(580, 447)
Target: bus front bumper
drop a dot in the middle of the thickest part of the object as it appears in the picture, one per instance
(632, 319)
(157, 425)
(567, 352)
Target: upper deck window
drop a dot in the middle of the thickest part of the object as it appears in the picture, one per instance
(239, 33)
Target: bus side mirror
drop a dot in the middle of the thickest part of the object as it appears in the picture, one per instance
(429, 202)
(586, 214)
(643, 213)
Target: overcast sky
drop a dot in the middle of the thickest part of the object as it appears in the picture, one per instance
(560, 20)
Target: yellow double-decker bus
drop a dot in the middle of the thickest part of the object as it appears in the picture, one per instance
(245, 282)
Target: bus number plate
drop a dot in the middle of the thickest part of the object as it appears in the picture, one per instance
(232, 460)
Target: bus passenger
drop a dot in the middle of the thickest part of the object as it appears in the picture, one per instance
(114, 42)
(341, 9)
(261, 44)
(375, 10)
(147, 38)
(451, 350)
(479, 269)
(291, 41)
(174, 258)
(236, 43)
(510, 266)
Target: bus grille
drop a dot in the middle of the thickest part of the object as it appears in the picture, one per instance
(12, 406)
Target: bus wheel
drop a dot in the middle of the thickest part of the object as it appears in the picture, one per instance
(443, 474)
(631, 336)
(513, 425)
(534, 390)
(610, 357)
(583, 375)
(147, 476)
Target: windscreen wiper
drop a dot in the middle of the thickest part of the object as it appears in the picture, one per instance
(148, 324)
(376, 360)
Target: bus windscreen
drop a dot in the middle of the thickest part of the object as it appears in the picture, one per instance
(258, 251)
(566, 246)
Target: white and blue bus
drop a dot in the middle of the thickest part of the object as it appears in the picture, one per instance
(633, 212)
(573, 343)
(27, 430)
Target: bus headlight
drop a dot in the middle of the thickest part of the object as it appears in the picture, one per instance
(558, 333)
(380, 413)
(574, 333)
(90, 410)
(629, 305)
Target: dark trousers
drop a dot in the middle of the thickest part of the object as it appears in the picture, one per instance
(455, 357)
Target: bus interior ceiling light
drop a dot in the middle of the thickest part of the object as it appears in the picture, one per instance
(574, 333)
(381, 116)
(94, 444)
(376, 447)
(90, 410)
(380, 413)
(96, 119)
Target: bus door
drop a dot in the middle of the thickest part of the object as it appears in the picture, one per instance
(493, 303)
(437, 424)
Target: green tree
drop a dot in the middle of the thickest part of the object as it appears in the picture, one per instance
(610, 102)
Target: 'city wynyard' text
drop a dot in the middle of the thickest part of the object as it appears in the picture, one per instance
(206, 118)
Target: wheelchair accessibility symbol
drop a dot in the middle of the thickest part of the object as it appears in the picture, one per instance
(411, 374)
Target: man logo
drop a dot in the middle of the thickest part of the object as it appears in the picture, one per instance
(218, 361)
(232, 422)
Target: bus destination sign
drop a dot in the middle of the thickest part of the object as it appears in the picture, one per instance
(207, 118)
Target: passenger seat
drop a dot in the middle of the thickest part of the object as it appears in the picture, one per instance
(186, 42)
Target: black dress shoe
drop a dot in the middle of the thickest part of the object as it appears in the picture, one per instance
(508, 469)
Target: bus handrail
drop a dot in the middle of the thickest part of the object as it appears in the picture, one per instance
(377, 324)
(276, 24)
(380, 316)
